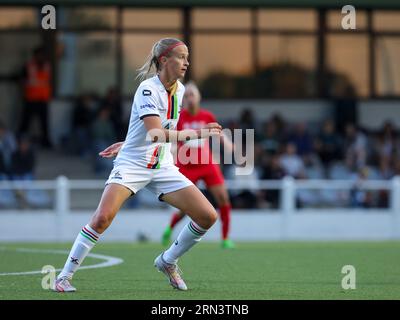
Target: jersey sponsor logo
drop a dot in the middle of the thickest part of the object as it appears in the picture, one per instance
(146, 92)
(148, 106)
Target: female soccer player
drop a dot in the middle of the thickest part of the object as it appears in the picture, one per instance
(145, 160)
(197, 161)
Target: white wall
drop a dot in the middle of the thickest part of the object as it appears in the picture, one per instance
(372, 114)
(246, 226)
(291, 110)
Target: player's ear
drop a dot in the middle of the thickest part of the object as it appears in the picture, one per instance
(163, 60)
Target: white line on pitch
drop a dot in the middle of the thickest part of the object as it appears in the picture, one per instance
(109, 261)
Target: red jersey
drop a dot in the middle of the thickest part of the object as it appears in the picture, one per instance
(198, 151)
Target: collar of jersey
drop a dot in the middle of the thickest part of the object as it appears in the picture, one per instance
(161, 86)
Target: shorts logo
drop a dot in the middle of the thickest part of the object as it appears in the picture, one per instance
(117, 175)
(147, 106)
(146, 92)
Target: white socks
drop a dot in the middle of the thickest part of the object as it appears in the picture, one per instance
(187, 238)
(84, 242)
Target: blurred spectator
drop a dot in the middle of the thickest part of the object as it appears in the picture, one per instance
(280, 125)
(387, 141)
(328, 144)
(344, 103)
(246, 119)
(103, 134)
(23, 160)
(37, 93)
(243, 198)
(8, 145)
(112, 101)
(301, 139)
(355, 147)
(385, 172)
(82, 119)
(270, 140)
(272, 170)
(360, 198)
(23, 169)
(291, 163)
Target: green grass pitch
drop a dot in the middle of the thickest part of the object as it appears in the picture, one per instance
(261, 271)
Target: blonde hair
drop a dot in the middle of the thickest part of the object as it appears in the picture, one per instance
(152, 64)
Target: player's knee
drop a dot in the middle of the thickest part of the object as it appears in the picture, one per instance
(101, 220)
(209, 219)
(223, 200)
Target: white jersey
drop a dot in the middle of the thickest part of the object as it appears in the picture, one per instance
(151, 98)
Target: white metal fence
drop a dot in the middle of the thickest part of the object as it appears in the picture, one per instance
(290, 190)
(63, 219)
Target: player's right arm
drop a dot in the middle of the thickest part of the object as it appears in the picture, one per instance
(158, 134)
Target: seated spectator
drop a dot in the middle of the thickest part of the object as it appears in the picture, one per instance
(355, 147)
(23, 167)
(387, 140)
(328, 144)
(291, 163)
(360, 198)
(270, 140)
(301, 139)
(272, 170)
(103, 135)
(112, 101)
(243, 198)
(82, 119)
(8, 145)
(23, 160)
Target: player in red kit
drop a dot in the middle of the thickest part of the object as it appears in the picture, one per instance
(197, 162)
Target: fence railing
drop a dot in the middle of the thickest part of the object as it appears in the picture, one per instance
(289, 189)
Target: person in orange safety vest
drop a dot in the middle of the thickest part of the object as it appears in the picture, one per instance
(37, 93)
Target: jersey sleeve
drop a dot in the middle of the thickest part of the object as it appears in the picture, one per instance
(146, 102)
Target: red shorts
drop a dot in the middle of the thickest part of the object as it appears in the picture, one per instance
(210, 173)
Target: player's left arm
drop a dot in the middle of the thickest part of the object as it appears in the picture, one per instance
(111, 151)
(224, 139)
(227, 142)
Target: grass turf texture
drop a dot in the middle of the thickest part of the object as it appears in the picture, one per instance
(261, 271)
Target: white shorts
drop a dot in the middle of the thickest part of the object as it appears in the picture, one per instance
(159, 181)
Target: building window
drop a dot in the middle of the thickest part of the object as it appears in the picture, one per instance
(221, 19)
(386, 21)
(277, 19)
(87, 62)
(348, 64)
(152, 18)
(219, 61)
(334, 19)
(18, 18)
(88, 17)
(287, 66)
(388, 66)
